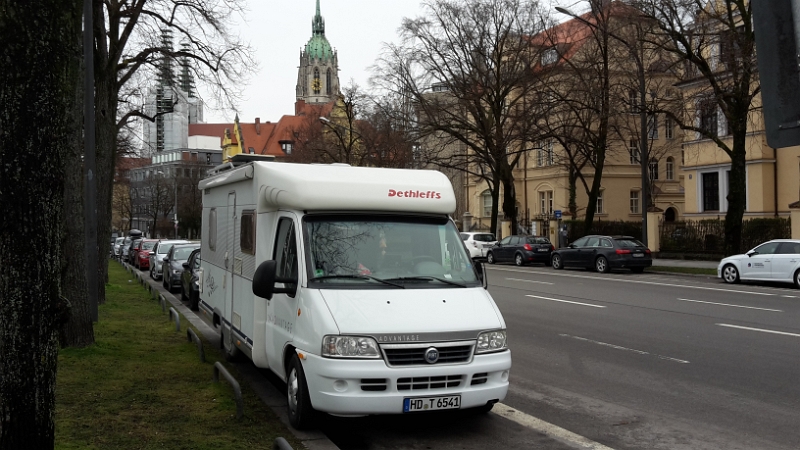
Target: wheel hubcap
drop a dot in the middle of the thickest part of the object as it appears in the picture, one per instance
(601, 265)
(519, 260)
(730, 274)
(292, 386)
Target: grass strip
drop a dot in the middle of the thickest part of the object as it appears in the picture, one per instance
(689, 270)
(142, 385)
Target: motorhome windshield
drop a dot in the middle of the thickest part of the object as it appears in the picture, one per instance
(386, 253)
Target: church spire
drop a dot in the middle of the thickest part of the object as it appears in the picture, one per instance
(318, 24)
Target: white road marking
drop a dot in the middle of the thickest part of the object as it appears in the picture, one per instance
(652, 283)
(618, 347)
(789, 296)
(529, 281)
(727, 304)
(546, 428)
(758, 329)
(566, 301)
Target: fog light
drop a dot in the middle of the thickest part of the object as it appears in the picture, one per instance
(340, 385)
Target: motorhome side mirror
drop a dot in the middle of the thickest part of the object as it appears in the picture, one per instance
(480, 271)
(264, 279)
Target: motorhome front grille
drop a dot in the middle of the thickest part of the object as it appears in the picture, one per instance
(373, 384)
(420, 383)
(479, 378)
(409, 356)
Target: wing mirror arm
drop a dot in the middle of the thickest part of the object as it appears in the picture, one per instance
(265, 278)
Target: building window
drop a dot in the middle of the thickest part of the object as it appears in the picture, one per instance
(546, 202)
(634, 202)
(549, 56)
(633, 149)
(711, 191)
(652, 126)
(287, 147)
(670, 168)
(328, 82)
(247, 232)
(486, 198)
(540, 157)
(212, 229)
(600, 207)
(668, 128)
(633, 101)
(708, 116)
(316, 83)
(653, 169)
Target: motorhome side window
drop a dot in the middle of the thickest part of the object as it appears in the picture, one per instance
(212, 229)
(286, 249)
(247, 233)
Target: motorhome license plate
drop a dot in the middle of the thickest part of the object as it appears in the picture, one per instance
(431, 403)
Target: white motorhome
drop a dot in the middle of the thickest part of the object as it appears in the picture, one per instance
(352, 284)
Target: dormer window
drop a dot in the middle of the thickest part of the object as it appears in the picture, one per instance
(287, 147)
(550, 56)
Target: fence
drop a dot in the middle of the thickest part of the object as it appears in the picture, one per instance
(707, 237)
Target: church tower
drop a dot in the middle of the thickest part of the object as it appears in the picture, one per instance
(318, 75)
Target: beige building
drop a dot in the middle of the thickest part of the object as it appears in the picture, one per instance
(542, 179)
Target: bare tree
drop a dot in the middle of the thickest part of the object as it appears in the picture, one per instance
(37, 131)
(128, 44)
(467, 68)
(716, 44)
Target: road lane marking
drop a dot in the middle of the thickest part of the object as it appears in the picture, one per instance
(789, 296)
(546, 428)
(529, 281)
(618, 347)
(652, 283)
(758, 329)
(727, 304)
(566, 301)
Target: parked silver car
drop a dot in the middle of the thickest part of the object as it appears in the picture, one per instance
(158, 253)
(117, 244)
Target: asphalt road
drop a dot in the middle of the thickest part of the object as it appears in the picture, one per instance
(654, 361)
(622, 360)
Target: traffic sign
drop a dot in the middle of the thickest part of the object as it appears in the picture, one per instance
(557, 214)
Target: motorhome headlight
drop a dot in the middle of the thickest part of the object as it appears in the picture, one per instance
(491, 341)
(350, 347)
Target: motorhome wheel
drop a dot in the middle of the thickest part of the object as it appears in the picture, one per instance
(301, 413)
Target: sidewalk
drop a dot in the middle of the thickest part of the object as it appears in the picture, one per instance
(685, 263)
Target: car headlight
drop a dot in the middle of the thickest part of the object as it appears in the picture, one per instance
(350, 347)
(491, 341)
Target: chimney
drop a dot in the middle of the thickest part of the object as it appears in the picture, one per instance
(258, 125)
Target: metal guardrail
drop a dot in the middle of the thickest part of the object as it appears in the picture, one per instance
(281, 444)
(173, 314)
(163, 301)
(192, 337)
(219, 368)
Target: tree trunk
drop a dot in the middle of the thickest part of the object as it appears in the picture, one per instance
(737, 195)
(78, 331)
(36, 94)
(573, 193)
(509, 198)
(106, 144)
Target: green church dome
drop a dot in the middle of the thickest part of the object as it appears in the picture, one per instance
(318, 47)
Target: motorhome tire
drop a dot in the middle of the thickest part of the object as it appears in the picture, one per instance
(301, 413)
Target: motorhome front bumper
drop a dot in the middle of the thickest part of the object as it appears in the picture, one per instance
(361, 387)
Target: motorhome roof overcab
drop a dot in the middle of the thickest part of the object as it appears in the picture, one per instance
(351, 284)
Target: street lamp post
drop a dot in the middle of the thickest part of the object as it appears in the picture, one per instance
(644, 158)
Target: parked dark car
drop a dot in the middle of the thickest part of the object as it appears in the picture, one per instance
(132, 250)
(521, 250)
(603, 253)
(172, 267)
(190, 287)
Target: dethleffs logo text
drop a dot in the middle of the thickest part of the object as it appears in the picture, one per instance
(415, 194)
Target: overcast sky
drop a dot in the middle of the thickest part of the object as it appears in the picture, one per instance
(278, 29)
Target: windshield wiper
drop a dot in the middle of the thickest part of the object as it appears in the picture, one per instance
(428, 278)
(358, 277)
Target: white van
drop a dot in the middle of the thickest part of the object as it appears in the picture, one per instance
(352, 284)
